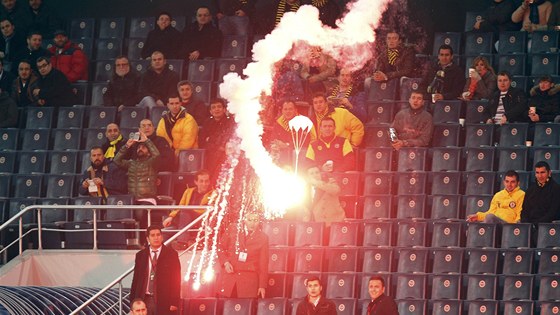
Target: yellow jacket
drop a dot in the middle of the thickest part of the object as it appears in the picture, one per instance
(185, 133)
(347, 125)
(506, 206)
(186, 198)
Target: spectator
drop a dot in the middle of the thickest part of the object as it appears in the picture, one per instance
(287, 84)
(234, 16)
(178, 127)
(508, 104)
(497, 18)
(122, 90)
(554, 19)
(114, 140)
(329, 11)
(15, 12)
(8, 111)
(157, 275)
(68, 57)
(347, 94)
(445, 79)
(142, 171)
(316, 69)
(325, 203)
(534, 15)
(34, 49)
(245, 273)
(6, 79)
(214, 135)
(506, 205)
(481, 83)
(347, 125)
(380, 304)
(24, 84)
(158, 82)
(41, 18)
(54, 88)
(413, 125)
(102, 178)
(163, 38)
(281, 136)
(167, 161)
(395, 61)
(138, 307)
(314, 302)
(191, 103)
(12, 44)
(201, 39)
(542, 200)
(333, 153)
(546, 100)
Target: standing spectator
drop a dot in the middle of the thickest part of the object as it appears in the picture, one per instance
(244, 256)
(325, 203)
(8, 111)
(114, 141)
(34, 49)
(6, 79)
(234, 16)
(332, 153)
(164, 38)
(395, 61)
(24, 84)
(444, 80)
(191, 103)
(54, 88)
(12, 44)
(546, 99)
(506, 205)
(201, 39)
(497, 18)
(347, 94)
(314, 302)
(157, 276)
(380, 304)
(316, 69)
(481, 83)
(68, 57)
(554, 19)
(508, 104)
(158, 82)
(413, 125)
(178, 127)
(214, 135)
(122, 90)
(534, 15)
(102, 178)
(41, 18)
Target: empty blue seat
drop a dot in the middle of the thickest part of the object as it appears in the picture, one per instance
(452, 39)
(512, 159)
(39, 117)
(446, 159)
(381, 112)
(234, 46)
(411, 233)
(108, 48)
(542, 41)
(512, 42)
(377, 136)
(141, 26)
(378, 159)
(407, 86)
(446, 286)
(100, 117)
(134, 48)
(446, 135)
(479, 158)
(340, 285)
(378, 233)
(475, 111)
(481, 287)
(478, 43)
(227, 65)
(112, 27)
(481, 234)
(447, 260)
(201, 70)
(104, 70)
(66, 139)
(377, 206)
(380, 91)
(517, 261)
(513, 134)
(82, 27)
(411, 260)
(544, 64)
(7, 161)
(64, 162)
(70, 117)
(515, 64)
(445, 206)
(445, 183)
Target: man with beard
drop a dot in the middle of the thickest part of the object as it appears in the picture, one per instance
(102, 178)
(178, 127)
(24, 84)
(167, 161)
(54, 88)
(68, 58)
(34, 49)
(122, 90)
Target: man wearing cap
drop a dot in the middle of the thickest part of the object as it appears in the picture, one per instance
(544, 104)
(68, 57)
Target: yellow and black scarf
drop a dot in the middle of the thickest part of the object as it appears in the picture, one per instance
(112, 149)
(282, 9)
(392, 55)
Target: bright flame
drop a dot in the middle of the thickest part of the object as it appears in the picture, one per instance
(196, 286)
(282, 189)
(208, 274)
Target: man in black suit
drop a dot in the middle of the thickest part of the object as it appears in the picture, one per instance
(157, 275)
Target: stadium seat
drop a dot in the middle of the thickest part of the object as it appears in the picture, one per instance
(411, 307)
(108, 48)
(191, 160)
(445, 183)
(134, 47)
(93, 137)
(103, 70)
(482, 307)
(201, 70)
(446, 159)
(407, 86)
(519, 81)
(478, 43)
(512, 63)
(449, 38)
(482, 261)
(446, 307)
(9, 138)
(547, 134)
(82, 27)
(111, 27)
(481, 234)
(378, 159)
(542, 41)
(349, 182)
(383, 91)
(15, 205)
(410, 286)
(156, 114)
(447, 260)
(480, 183)
(340, 285)
(201, 306)
(119, 200)
(342, 259)
(474, 113)
(544, 64)
(446, 111)
(39, 117)
(64, 162)
(276, 285)
(411, 206)
(479, 135)
(130, 116)
(476, 203)
(380, 112)
(549, 155)
(516, 235)
(513, 134)
(446, 135)
(308, 233)
(54, 215)
(176, 65)
(59, 185)
(516, 287)
(512, 159)
(233, 306)
(298, 281)
(479, 158)
(446, 286)
(8, 161)
(377, 206)
(548, 307)
(411, 260)
(97, 92)
(344, 234)
(350, 205)
(66, 139)
(377, 259)
(100, 116)
(227, 65)
(548, 261)
(513, 42)
(308, 259)
(378, 233)
(27, 185)
(411, 233)
(517, 261)
(446, 233)
(70, 117)
(278, 232)
(203, 91)
(32, 162)
(234, 46)
(271, 306)
(548, 235)
(82, 215)
(481, 287)
(445, 206)
(411, 183)
(377, 136)
(518, 307)
(548, 287)
(412, 159)
(141, 26)
(5, 187)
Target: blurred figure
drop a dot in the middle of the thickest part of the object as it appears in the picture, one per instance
(53, 89)
(533, 14)
(497, 18)
(234, 16)
(481, 82)
(324, 203)
(316, 69)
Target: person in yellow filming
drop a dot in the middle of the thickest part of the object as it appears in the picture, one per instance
(506, 205)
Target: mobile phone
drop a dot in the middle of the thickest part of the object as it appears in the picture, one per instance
(135, 136)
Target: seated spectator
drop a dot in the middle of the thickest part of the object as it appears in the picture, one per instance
(167, 161)
(163, 38)
(481, 83)
(325, 204)
(546, 100)
(178, 127)
(533, 14)
(214, 135)
(234, 16)
(12, 44)
(191, 103)
(554, 18)
(316, 69)
(114, 142)
(508, 104)
(332, 153)
(41, 18)
(122, 90)
(6, 79)
(157, 82)
(329, 11)
(8, 111)
(24, 84)
(201, 39)
(413, 125)
(497, 18)
(395, 61)
(315, 302)
(103, 177)
(445, 79)
(34, 49)
(506, 205)
(347, 125)
(15, 12)
(281, 141)
(380, 304)
(287, 84)
(53, 88)
(68, 57)
(347, 94)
